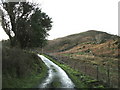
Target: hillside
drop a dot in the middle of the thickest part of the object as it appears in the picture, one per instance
(93, 53)
(90, 42)
(21, 68)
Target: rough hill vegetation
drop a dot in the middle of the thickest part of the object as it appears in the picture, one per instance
(20, 68)
(93, 53)
(90, 42)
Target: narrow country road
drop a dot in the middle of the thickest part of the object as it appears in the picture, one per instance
(56, 75)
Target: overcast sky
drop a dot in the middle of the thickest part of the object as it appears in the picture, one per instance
(75, 16)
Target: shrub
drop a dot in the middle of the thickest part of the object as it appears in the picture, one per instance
(17, 63)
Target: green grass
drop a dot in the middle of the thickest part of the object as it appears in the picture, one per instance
(21, 69)
(30, 81)
(80, 80)
(73, 75)
(55, 83)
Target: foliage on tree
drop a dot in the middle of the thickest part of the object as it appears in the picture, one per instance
(25, 24)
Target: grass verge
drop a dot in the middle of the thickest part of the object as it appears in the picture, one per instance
(21, 69)
(80, 80)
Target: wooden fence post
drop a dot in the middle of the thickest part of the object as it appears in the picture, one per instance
(119, 74)
(97, 69)
(108, 75)
(74, 64)
(85, 68)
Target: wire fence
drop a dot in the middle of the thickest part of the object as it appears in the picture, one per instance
(105, 73)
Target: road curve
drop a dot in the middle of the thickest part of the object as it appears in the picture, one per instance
(55, 73)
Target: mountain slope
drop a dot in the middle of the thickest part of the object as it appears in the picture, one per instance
(93, 53)
(90, 42)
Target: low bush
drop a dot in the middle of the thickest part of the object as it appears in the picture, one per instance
(21, 68)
